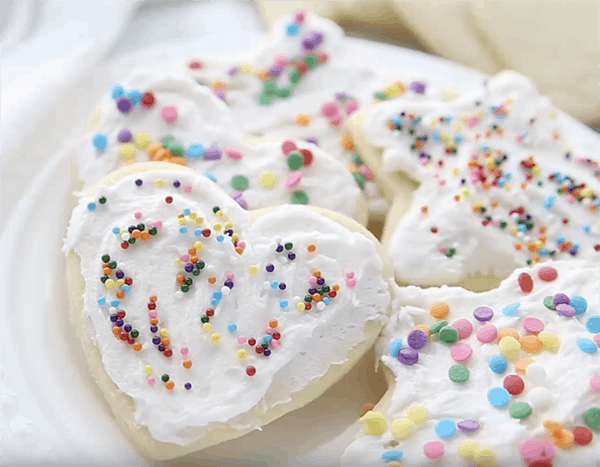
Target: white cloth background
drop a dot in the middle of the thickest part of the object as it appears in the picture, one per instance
(59, 56)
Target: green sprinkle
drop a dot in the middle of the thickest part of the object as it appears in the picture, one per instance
(325, 288)
(135, 333)
(112, 264)
(520, 410)
(503, 224)
(105, 258)
(205, 319)
(103, 279)
(102, 200)
(200, 264)
(152, 231)
(311, 61)
(167, 140)
(437, 327)
(284, 92)
(295, 160)
(141, 226)
(188, 281)
(263, 99)
(131, 241)
(185, 288)
(299, 197)
(359, 178)
(294, 76)
(196, 272)
(380, 96)
(270, 88)
(176, 148)
(458, 373)
(592, 417)
(165, 377)
(356, 159)
(216, 209)
(265, 345)
(239, 182)
(307, 298)
(288, 246)
(548, 303)
(448, 334)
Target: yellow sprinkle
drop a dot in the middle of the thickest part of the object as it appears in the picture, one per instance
(433, 122)
(510, 347)
(485, 458)
(177, 261)
(120, 282)
(217, 227)
(465, 192)
(241, 354)
(513, 229)
(164, 333)
(245, 67)
(509, 100)
(199, 245)
(417, 413)
(220, 214)
(216, 337)
(402, 428)
(536, 169)
(193, 215)
(394, 464)
(445, 136)
(158, 182)
(207, 327)
(235, 236)
(586, 192)
(109, 284)
(182, 221)
(253, 269)
(550, 340)
(391, 90)
(148, 369)
(228, 225)
(142, 139)
(457, 126)
(455, 170)
(468, 450)
(127, 151)
(507, 186)
(374, 422)
(538, 244)
(267, 179)
(464, 118)
(300, 306)
(490, 161)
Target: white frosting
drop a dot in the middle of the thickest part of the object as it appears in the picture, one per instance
(311, 341)
(478, 249)
(203, 118)
(568, 373)
(344, 72)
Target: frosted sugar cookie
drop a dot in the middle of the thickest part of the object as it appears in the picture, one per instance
(168, 117)
(509, 377)
(506, 180)
(201, 321)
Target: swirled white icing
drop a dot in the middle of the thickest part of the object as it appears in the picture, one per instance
(310, 343)
(203, 118)
(496, 132)
(563, 395)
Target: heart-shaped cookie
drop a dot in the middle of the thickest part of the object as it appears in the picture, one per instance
(506, 180)
(201, 321)
(167, 117)
(505, 377)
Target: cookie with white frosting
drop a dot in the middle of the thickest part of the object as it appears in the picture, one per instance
(497, 179)
(509, 377)
(161, 116)
(201, 321)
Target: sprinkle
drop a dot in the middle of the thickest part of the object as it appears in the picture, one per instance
(461, 352)
(417, 413)
(100, 141)
(395, 347)
(391, 455)
(439, 310)
(533, 325)
(592, 417)
(510, 347)
(374, 422)
(498, 397)
(402, 428)
(548, 274)
(91, 206)
(267, 179)
(579, 304)
(468, 426)
(448, 334)
(458, 373)
(587, 345)
(464, 327)
(433, 449)
(445, 428)
(514, 384)
(417, 339)
(483, 313)
(525, 281)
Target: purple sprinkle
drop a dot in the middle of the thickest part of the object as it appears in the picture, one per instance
(312, 140)
(156, 340)
(228, 283)
(127, 327)
(572, 251)
(188, 386)
(291, 256)
(468, 426)
(189, 267)
(124, 135)
(138, 182)
(417, 339)
(282, 286)
(220, 94)
(267, 352)
(131, 228)
(279, 248)
(565, 310)
(229, 232)
(408, 356)
(213, 153)
(161, 348)
(120, 274)
(242, 202)
(270, 267)
(275, 70)
(320, 280)
(124, 105)
(312, 290)
(176, 183)
(418, 87)
(237, 194)
(232, 71)
(340, 95)
(311, 40)
(483, 313)
(113, 317)
(560, 298)
(154, 328)
(119, 322)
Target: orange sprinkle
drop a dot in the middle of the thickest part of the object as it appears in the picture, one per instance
(104, 265)
(176, 160)
(180, 278)
(194, 259)
(316, 273)
(153, 321)
(107, 271)
(145, 235)
(562, 437)
(347, 142)
(136, 233)
(531, 246)
(411, 116)
(153, 298)
(120, 294)
(169, 385)
(192, 250)
(456, 197)
(522, 363)
(311, 248)
(508, 332)
(419, 144)
(261, 74)
(316, 297)
(335, 287)
(165, 341)
(494, 203)
(181, 216)
(390, 125)
(424, 209)
(531, 344)
(439, 310)
(187, 363)
(217, 84)
(239, 250)
(536, 259)
(161, 154)
(137, 346)
(302, 119)
(518, 246)
(542, 229)
(116, 330)
(212, 279)
(273, 323)
(153, 148)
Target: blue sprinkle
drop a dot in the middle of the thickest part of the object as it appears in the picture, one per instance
(593, 324)
(585, 228)
(274, 284)
(508, 175)
(511, 309)
(197, 232)
(186, 212)
(92, 206)
(448, 118)
(220, 238)
(501, 181)
(544, 251)
(116, 230)
(283, 303)
(587, 345)
(100, 140)
(325, 300)
(560, 239)
(195, 150)
(597, 202)
(183, 229)
(498, 363)
(396, 120)
(214, 301)
(125, 288)
(210, 177)
(579, 303)
(445, 428)
(291, 29)
(458, 138)
(498, 397)
(267, 337)
(391, 455)
(576, 245)
(232, 327)
(395, 347)
(500, 117)
(485, 147)
(116, 91)
(217, 294)
(101, 300)
(522, 228)
(135, 96)
(562, 178)
(436, 136)
(549, 201)
(115, 302)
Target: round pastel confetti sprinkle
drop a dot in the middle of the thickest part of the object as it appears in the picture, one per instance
(565, 310)
(417, 339)
(402, 428)
(548, 303)
(295, 160)
(487, 333)
(124, 135)
(498, 364)
(232, 327)
(267, 179)
(433, 449)
(579, 304)
(525, 282)
(124, 105)
(468, 449)
(395, 347)
(437, 327)
(483, 313)
(560, 298)
(536, 374)
(533, 325)
(510, 347)
(233, 153)
(391, 455)
(116, 91)
(514, 384)
(445, 428)
(461, 352)
(536, 448)
(239, 182)
(299, 197)
(168, 113)
(100, 141)
(550, 340)
(408, 356)
(288, 146)
(458, 373)
(593, 324)
(587, 345)
(91, 206)
(439, 310)
(468, 426)
(293, 179)
(511, 309)
(464, 328)
(595, 383)
(195, 150)
(417, 413)
(548, 274)
(498, 397)
(582, 435)
(448, 334)
(520, 410)
(592, 417)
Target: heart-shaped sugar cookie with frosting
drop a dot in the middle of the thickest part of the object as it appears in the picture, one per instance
(202, 321)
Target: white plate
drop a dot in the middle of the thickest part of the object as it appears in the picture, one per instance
(52, 409)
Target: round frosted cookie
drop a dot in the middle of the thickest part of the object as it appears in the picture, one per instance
(506, 180)
(509, 377)
(304, 82)
(168, 117)
(201, 321)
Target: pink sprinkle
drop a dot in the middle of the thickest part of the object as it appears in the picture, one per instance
(441, 182)
(187, 187)
(570, 198)
(464, 328)
(299, 16)
(151, 380)
(242, 245)
(293, 179)
(367, 173)
(350, 107)
(184, 257)
(424, 161)
(547, 273)
(280, 60)
(349, 274)
(274, 343)
(230, 276)
(472, 121)
(595, 383)
(168, 113)
(461, 352)
(241, 339)
(158, 224)
(329, 109)
(433, 449)
(533, 325)
(312, 280)
(185, 350)
(495, 222)
(597, 339)
(534, 448)
(486, 333)
(335, 121)
(443, 249)
(233, 153)
(350, 283)
(152, 314)
(288, 146)
(138, 215)
(269, 330)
